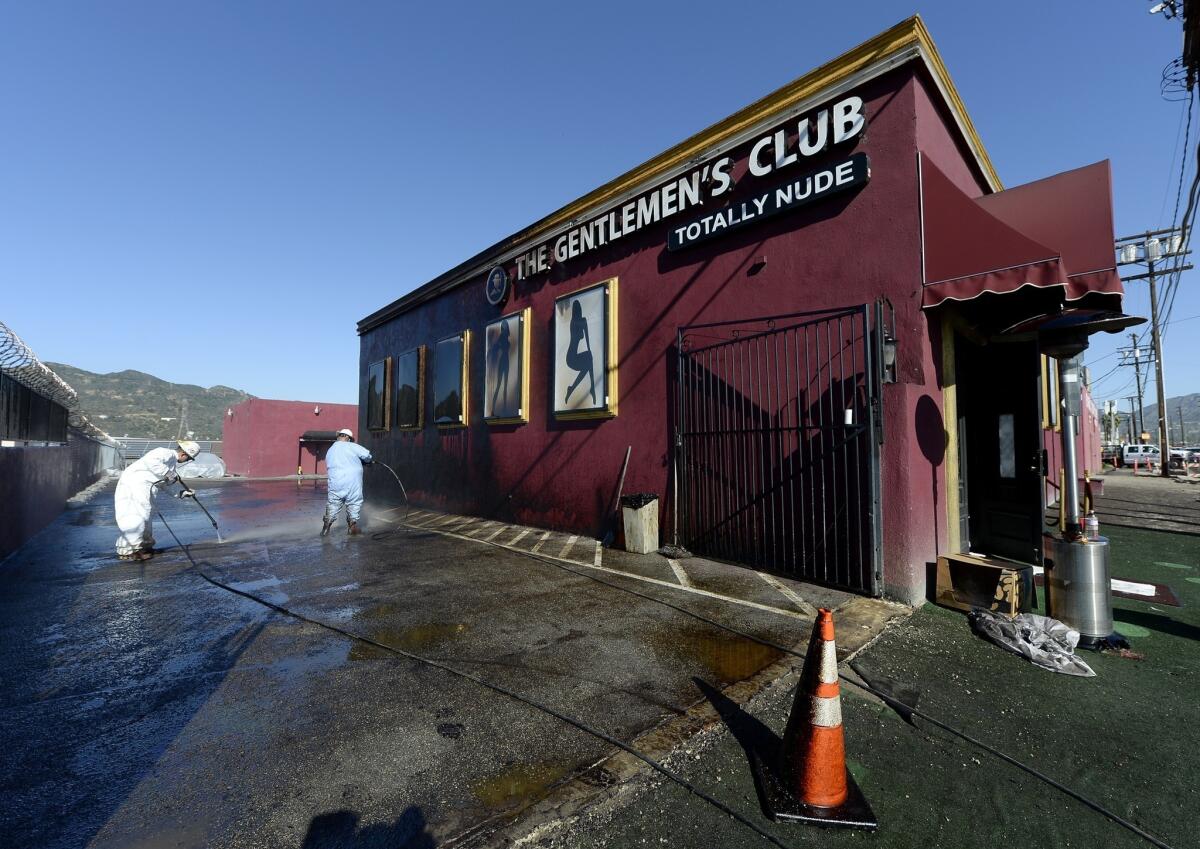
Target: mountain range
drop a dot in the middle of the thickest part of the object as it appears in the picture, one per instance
(133, 403)
(1190, 407)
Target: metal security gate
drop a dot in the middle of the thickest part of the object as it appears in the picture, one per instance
(777, 440)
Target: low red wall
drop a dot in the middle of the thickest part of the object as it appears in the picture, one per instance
(261, 436)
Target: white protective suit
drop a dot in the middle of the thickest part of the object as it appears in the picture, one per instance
(343, 463)
(136, 489)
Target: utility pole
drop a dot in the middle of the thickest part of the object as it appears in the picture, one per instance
(183, 405)
(1156, 341)
(1132, 356)
(1183, 440)
(1137, 378)
(1132, 421)
(1152, 247)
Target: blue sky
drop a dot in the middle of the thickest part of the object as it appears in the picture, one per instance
(217, 192)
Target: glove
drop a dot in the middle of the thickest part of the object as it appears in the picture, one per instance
(367, 461)
(185, 493)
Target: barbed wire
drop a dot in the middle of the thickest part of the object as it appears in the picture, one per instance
(19, 362)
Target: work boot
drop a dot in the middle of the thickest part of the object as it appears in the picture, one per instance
(138, 555)
(326, 524)
(352, 527)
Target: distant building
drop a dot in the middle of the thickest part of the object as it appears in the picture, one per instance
(266, 438)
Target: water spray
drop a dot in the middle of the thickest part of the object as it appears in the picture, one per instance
(188, 489)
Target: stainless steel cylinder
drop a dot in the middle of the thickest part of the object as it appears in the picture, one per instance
(1078, 591)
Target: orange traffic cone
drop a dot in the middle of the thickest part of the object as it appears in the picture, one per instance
(811, 782)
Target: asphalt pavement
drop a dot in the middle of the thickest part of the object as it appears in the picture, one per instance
(143, 706)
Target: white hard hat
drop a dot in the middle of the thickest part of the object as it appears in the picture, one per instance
(346, 432)
(188, 447)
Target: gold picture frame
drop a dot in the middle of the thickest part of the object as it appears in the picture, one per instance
(450, 412)
(1051, 392)
(379, 413)
(578, 316)
(500, 354)
(413, 361)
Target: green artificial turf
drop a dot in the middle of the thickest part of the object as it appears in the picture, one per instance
(1128, 738)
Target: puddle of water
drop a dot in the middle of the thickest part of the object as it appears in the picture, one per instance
(260, 584)
(517, 782)
(414, 638)
(727, 658)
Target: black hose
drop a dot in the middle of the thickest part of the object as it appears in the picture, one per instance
(891, 701)
(407, 506)
(575, 723)
(887, 699)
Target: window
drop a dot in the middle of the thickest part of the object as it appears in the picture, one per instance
(1008, 451)
(450, 380)
(378, 394)
(410, 389)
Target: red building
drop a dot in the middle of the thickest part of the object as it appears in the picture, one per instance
(804, 321)
(262, 438)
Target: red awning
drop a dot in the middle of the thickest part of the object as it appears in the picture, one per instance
(1055, 232)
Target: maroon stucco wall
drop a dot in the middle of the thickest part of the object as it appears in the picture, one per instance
(261, 437)
(843, 251)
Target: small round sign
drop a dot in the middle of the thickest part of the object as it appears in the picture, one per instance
(497, 285)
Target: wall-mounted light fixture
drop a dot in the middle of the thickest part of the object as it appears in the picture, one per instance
(316, 411)
(889, 358)
(885, 326)
(229, 412)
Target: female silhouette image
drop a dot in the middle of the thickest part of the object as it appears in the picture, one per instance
(579, 360)
(499, 352)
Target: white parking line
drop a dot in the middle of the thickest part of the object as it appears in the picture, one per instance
(568, 546)
(680, 575)
(517, 538)
(538, 546)
(789, 594)
(634, 577)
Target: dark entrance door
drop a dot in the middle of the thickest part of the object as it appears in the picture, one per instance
(1000, 441)
(778, 444)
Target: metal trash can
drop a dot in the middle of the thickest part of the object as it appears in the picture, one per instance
(1078, 590)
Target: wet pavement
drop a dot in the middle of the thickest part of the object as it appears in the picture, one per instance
(144, 707)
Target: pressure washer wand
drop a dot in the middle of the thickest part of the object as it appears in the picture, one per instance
(202, 507)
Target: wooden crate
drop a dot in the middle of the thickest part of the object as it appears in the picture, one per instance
(965, 581)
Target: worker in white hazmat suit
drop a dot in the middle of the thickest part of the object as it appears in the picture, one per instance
(344, 463)
(136, 489)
